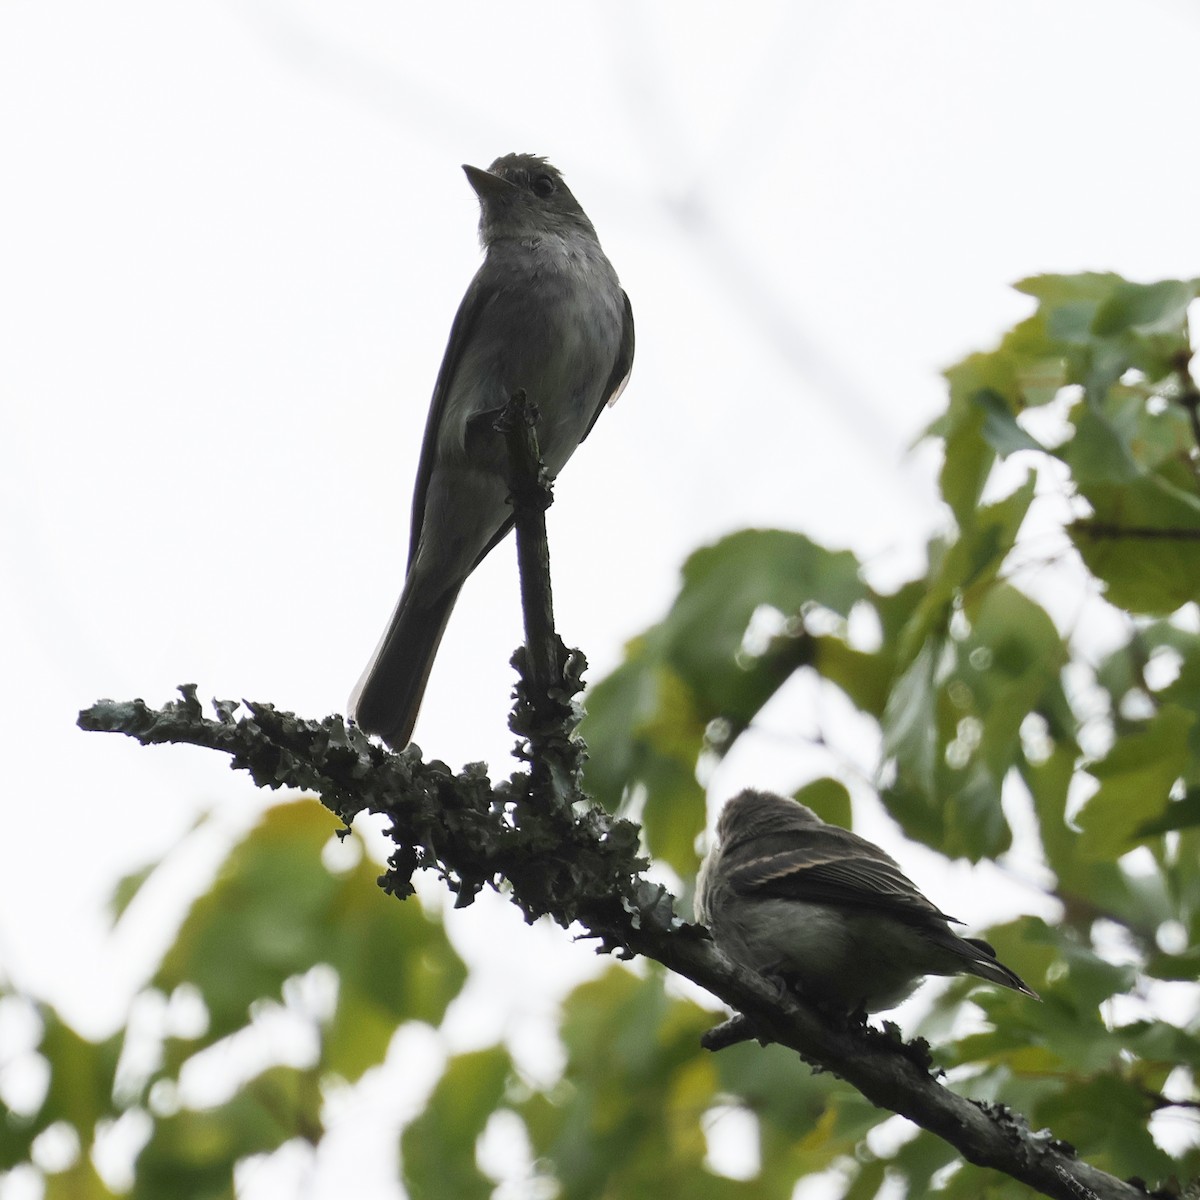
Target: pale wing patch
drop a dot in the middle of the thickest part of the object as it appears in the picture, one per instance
(616, 393)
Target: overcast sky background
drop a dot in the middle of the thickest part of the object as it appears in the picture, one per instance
(233, 236)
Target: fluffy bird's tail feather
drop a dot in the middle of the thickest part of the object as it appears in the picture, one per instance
(387, 698)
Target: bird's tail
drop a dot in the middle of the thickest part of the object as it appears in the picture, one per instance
(387, 698)
(982, 961)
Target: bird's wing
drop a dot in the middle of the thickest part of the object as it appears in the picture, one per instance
(619, 376)
(476, 301)
(831, 866)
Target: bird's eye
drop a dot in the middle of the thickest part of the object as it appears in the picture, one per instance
(543, 185)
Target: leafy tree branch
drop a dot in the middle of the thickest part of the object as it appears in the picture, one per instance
(563, 857)
(584, 868)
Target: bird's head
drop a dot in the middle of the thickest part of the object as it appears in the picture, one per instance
(523, 196)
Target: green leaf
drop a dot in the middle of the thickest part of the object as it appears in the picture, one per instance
(191, 1154)
(1082, 979)
(829, 799)
(1008, 666)
(1101, 450)
(865, 677)
(1067, 304)
(1048, 781)
(918, 1160)
(953, 721)
(807, 1121)
(17, 1135)
(79, 1182)
(1185, 967)
(1085, 884)
(1056, 292)
(643, 730)
(1064, 1035)
(1135, 777)
(627, 1121)
(394, 963)
(82, 1073)
(1119, 438)
(617, 708)
(646, 723)
(1000, 429)
(275, 912)
(965, 568)
(912, 737)
(968, 457)
(1143, 543)
(1178, 814)
(127, 888)
(1105, 1119)
(437, 1149)
(1131, 462)
(1144, 307)
(1184, 689)
(868, 1178)
(262, 921)
(724, 584)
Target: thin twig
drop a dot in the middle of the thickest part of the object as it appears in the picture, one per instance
(531, 494)
(1104, 530)
(545, 714)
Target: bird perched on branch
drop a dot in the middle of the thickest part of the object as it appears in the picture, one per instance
(826, 911)
(545, 314)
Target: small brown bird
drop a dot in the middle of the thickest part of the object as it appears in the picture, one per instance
(826, 911)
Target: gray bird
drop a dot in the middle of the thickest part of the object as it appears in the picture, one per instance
(824, 910)
(545, 313)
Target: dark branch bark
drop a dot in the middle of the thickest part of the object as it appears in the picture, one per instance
(567, 859)
(530, 494)
(546, 713)
(1102, 530)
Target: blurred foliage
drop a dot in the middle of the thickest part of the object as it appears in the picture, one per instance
(278, 937)
(1072, 485)
(1078, 433)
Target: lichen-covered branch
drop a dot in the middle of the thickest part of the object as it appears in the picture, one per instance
(585, 870)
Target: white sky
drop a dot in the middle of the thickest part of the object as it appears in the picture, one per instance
(232, 239)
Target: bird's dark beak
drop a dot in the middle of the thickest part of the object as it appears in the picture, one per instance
(486, 184)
